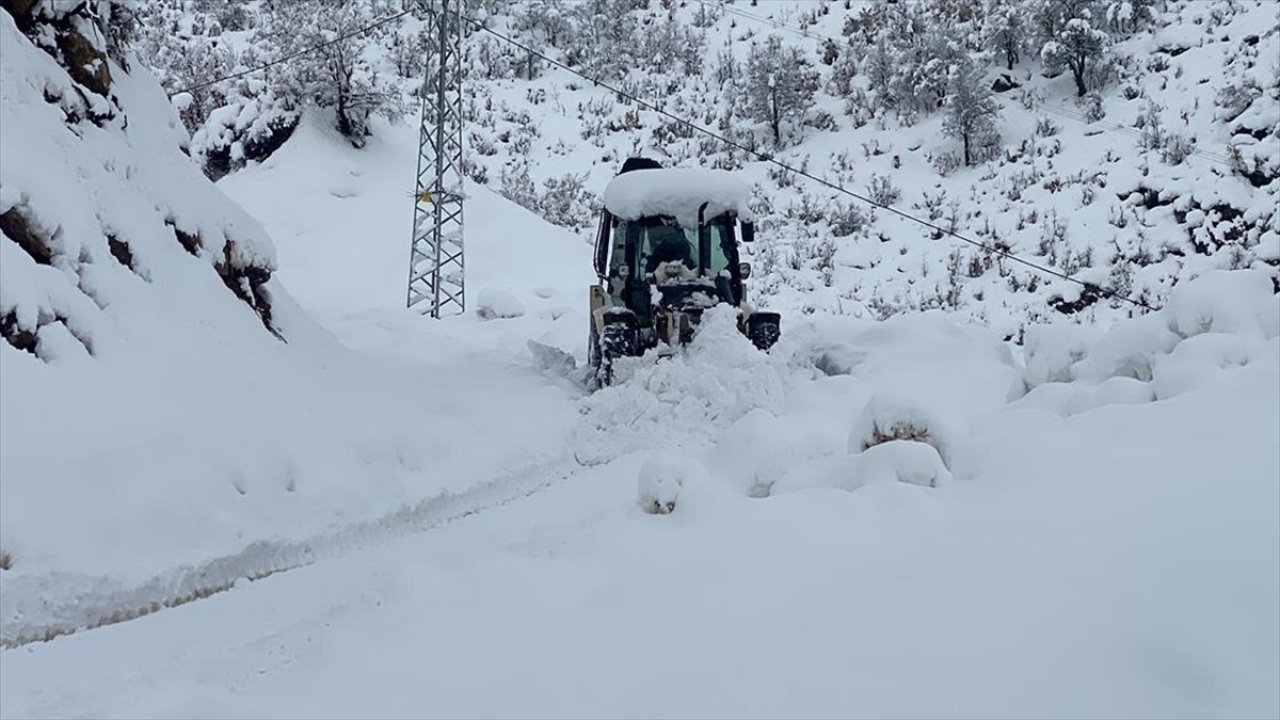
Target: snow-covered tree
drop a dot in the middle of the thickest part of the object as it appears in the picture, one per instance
(1078, 47)
(672, 46)
(1005, 30)
(606, 38)
(548, 20)
(1050, 17)
(879, 69)
(971, 111)
(1128, 16)
(780, 84)
(340, 76)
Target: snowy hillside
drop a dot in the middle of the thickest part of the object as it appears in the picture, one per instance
(239, 479)
(1167, 168)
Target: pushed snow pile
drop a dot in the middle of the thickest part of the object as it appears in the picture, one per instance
(677, 192)
(494, 303)
(661, 479)
(684, 399)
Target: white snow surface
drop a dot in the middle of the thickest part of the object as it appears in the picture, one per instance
(194, 446)
(1091, 533)
(677, 192)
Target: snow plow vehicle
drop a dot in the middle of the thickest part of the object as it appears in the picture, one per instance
(666, 250)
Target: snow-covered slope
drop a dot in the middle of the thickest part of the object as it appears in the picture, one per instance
(1101, 201)
(171, 420)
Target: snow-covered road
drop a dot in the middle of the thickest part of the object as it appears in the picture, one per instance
(1108, 564)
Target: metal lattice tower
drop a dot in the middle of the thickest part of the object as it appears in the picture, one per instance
(436, 260)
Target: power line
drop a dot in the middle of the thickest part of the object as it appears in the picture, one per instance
(838, 188)
(299, 53)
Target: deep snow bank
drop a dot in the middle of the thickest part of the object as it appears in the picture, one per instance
(169, 414)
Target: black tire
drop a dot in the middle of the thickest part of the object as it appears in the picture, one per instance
(620, 339)
(764, 329)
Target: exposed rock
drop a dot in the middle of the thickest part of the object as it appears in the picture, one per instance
(86, 64)
(18, 228)
(1004, 83)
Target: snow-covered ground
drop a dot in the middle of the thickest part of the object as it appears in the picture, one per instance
(1115, 562)
(158, 441)
(1107, 545)
(903, 518)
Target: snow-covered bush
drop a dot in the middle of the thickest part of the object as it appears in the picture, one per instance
(566, 202)
(660, 481)
(891, 417)
(495, 303)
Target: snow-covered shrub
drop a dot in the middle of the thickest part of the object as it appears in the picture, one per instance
(566, 202)
(1091, 107)
(1235, 98)
(244, 130)
(888, 417)
(1239, 303)
(660, 481)
(883, 191)
(846, 219)
(495, 303)
(1176, 149)
(515, 185)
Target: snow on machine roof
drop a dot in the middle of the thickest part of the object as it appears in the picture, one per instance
(677, 192)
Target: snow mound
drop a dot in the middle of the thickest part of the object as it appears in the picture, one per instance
(893, 417)
(677, 192)
(494, 303)
(660, 481)
(1196, 361)
(760, 448)
(915, 463)
(682, 400)
(1240, 302)
(1213, 322)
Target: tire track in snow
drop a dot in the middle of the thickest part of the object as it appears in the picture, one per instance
(34, 613)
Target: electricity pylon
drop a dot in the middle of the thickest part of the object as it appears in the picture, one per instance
(436, 268)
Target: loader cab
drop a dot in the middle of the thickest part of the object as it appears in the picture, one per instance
(656, 254)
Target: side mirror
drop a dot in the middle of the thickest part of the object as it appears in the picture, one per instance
(748, 232)
(744, 270)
